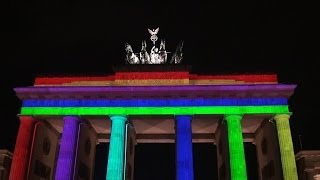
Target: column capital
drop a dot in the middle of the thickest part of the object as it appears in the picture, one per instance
(281, 116)
(72, 117)
(76, 119)
(30, 120)
(183, 117)
(233, 116)
(27, 118)
(118, 117)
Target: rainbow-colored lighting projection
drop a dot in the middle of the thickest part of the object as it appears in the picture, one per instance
(68, 148)
(236, 148)
(184, 158)
(154, 110)
(116, 149)
(286, 147)
(164, 90)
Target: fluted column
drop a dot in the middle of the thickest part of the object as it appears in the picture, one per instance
(116, 157)
(286, 147)
(236, 148)
(184, 158)
(21, 155)
(68, 148)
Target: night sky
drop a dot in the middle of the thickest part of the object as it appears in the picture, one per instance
(68, 37)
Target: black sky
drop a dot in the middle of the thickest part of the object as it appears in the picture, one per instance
(87, 37)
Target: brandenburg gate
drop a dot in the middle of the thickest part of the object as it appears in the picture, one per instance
(63, 118)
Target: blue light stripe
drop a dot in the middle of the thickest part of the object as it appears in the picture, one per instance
(156, 102)
(184, 159)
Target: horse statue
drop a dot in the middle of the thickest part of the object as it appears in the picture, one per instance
(131, 58)
(144, 56)
(163, 53)
(157, 55)
(178, 55)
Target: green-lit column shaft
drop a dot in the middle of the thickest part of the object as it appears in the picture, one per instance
(116, 157)
(286, 147)
(236, 148)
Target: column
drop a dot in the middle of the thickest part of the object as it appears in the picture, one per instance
(236, 148)
(184, 158)
(44, 152)
(116, 148)
(286, 147)
(129, 151)
(268, 151)
(68, 148)
(21, 156)
(223, 158)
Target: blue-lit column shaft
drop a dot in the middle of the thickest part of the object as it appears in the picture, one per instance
(184, 158)
(116, 157)
(68, 149)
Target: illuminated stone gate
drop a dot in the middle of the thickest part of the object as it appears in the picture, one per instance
(63, 118)
(156, 101)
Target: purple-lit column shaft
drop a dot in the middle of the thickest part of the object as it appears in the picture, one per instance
(184, 158)
(116, 157)
(68, 148)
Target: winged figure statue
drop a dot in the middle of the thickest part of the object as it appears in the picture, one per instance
(153, 33)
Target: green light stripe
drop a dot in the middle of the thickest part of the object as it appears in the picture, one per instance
(236, 148)
(286, 147)
(153, 110)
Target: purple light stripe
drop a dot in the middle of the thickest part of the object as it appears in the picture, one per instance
(273, 87)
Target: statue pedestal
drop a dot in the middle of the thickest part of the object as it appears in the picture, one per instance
(152, 68)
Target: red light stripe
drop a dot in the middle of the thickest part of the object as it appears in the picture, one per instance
(151, 75)
(155, 76)
(246, 78)
(61, 80)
